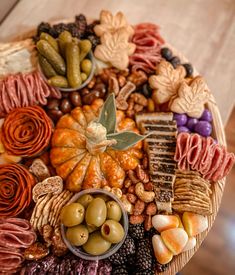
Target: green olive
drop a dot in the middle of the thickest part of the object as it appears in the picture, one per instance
(91, 228)
(85, 200)
(77, 235)
(96, 244)
(83, 77)
(112, 231)
(102, 196)
(114, 211)
(72, 214)
(86, 66)
(96, 212)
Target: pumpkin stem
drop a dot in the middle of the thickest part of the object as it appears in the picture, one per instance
(96, 138)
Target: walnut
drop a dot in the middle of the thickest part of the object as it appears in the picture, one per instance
(138, 78)
(139, 207)
(131, 198)
(136, 219)
(47, 232)
(139, 99)
(151, 209)
(121, 80)
(59, 248)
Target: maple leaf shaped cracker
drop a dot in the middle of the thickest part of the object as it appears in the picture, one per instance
(115, 49)
(111, 23)
(191, 98)
(167, 81)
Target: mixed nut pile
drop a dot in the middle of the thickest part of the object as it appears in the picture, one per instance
(108, 108)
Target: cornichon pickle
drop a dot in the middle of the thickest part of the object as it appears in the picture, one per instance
(50, 40)
(58, 81)
(85, 47)
(86, 66)
(52, 56)
(64, 37)
(73, 65)
(46, 66)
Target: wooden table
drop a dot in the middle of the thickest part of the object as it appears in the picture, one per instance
(203, 30)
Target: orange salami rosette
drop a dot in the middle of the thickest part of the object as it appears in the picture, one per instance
(26, 131)
(16, 185)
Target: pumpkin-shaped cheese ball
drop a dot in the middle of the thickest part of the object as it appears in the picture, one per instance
(81, 152)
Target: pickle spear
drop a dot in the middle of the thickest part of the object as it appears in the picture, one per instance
(46, 66)
(72, 53)
(64, 37)
(52, 56)
(58, 81)
(85, 46)
(52, 41)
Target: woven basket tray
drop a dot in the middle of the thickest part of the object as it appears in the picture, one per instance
(181, 260)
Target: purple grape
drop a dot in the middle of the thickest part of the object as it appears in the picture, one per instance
(181, 119)
(192, 123)
(203, 128)
(206, 115)
(182, 129)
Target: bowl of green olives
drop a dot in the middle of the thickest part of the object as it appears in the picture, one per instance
(66, 62)
(94, 225)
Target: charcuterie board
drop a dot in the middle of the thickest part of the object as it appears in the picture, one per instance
(115, 108)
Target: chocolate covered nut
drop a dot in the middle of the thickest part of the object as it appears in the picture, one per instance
(75, 99)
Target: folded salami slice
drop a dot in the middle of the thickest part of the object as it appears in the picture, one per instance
(203, 155)
(22, 90)
(15, 235)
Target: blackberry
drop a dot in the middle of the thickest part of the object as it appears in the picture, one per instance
(146, 90)
(120, 257)
(131, 262)
(119, 270)
(166, 53)
(90, 27)
(74, 29)
(149, 234)
(44, 27)
(95, 40)
(144, 272)
(144, 258)
(161, 267)
(175, 61)
(189, 69)
(136, 231)
(81, 22)
(59, 28)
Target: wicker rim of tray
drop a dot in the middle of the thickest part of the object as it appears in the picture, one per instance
(182, 259)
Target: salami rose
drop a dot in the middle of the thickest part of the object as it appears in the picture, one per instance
(16, 185)
(26, 131)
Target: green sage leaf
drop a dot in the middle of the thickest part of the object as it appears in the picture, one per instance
(125, 139)
(108, 114)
